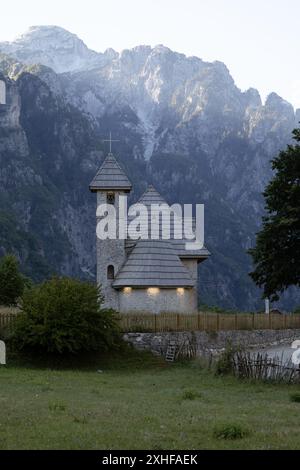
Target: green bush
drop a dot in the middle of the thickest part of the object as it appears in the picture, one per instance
(64, 316)
(225, 362)
(230, 432)
(295, 397)
(12, 282)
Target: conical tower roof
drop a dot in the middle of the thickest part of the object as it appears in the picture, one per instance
(153, 263)
(110, 176)
(151, 196)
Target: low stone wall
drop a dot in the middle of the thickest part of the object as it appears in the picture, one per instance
(214, 342)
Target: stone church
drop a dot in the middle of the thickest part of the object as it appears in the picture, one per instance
(145, 276)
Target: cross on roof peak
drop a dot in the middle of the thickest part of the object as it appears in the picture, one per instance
(110, 140)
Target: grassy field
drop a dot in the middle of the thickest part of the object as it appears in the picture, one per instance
(139, 402)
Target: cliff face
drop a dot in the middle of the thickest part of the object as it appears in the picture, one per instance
(182, 124)
(48, 154)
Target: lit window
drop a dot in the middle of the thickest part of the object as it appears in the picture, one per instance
(153, 290)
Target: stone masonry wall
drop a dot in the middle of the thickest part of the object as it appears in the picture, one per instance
(213, 342)
(162, 300)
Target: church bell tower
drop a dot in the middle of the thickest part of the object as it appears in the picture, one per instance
(109, 184)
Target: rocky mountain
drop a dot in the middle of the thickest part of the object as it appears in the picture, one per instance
(51, 46)
(48, 151)
(182, 124)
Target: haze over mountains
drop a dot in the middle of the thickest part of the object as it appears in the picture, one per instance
(182, 125)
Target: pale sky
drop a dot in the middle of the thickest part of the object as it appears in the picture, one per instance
(258, 40)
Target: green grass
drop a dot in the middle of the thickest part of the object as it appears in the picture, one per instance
(230, 431)
(137, 401)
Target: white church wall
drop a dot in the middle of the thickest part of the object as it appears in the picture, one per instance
(155, 300)
(192, 266)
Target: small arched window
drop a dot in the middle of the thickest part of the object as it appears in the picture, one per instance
(110, 272)
(111, 198)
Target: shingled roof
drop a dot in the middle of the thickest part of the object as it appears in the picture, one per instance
(110, 176)
(153, 263)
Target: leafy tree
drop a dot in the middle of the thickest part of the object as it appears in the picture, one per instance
(277, 252)
(12, 282)
(63, 316)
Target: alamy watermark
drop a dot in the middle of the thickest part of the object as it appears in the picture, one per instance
(151, 222)
(2, 92)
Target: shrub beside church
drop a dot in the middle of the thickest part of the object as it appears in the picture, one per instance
(64, 316)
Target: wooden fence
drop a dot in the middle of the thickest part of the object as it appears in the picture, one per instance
(7, 318)
(193, 322)
(207, 322)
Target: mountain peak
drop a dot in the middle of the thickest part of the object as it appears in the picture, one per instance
(37, 30)
(52, 46)
(47, 36)
(165, 69)
(252, 97)
(161, 48)
(275, 102)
